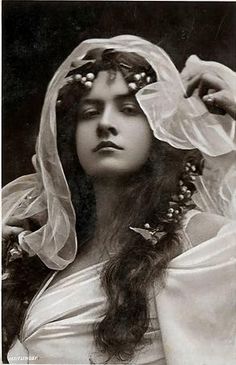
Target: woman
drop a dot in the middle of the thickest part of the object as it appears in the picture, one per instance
(101, 174)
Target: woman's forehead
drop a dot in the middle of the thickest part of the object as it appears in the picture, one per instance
(108, 85)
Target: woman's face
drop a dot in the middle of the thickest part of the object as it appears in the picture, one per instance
(113, 137)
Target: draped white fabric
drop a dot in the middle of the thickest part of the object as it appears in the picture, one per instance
(58, 328)
(196, 311)
(197, 307)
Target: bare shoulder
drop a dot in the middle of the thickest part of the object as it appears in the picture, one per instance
(204, 226)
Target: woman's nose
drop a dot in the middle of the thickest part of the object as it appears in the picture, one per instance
(106, 124)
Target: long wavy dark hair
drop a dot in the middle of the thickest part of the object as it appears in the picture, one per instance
(128, 276)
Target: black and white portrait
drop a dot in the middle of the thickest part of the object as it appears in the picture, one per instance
(119, 183)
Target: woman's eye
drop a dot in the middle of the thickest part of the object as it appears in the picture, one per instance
(88, 114)
(130, 109)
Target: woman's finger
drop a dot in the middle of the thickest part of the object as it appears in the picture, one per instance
(203, 83)
(222, 99)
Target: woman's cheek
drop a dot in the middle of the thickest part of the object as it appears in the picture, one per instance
(85, 142)
(81, 138)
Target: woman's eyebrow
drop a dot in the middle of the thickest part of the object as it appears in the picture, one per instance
(87, 101)
(128, 98)
(96, 101)
(125, 97)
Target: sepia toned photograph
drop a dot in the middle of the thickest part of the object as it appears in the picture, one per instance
(119, 182)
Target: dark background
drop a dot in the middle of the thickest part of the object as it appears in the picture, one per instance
(38, 36)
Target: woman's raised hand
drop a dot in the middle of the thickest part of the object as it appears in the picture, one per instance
(13, 233)
(214, 92)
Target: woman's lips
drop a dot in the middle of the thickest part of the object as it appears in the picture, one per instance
(107, 145)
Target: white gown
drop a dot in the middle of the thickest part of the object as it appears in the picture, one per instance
(196, 311)
(58, 328)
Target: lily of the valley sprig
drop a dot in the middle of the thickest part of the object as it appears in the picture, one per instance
(149, 234)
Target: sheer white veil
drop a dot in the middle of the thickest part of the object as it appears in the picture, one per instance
(184, 123)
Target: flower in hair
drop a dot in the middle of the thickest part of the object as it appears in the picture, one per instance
(152, 235)
(178, 205)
